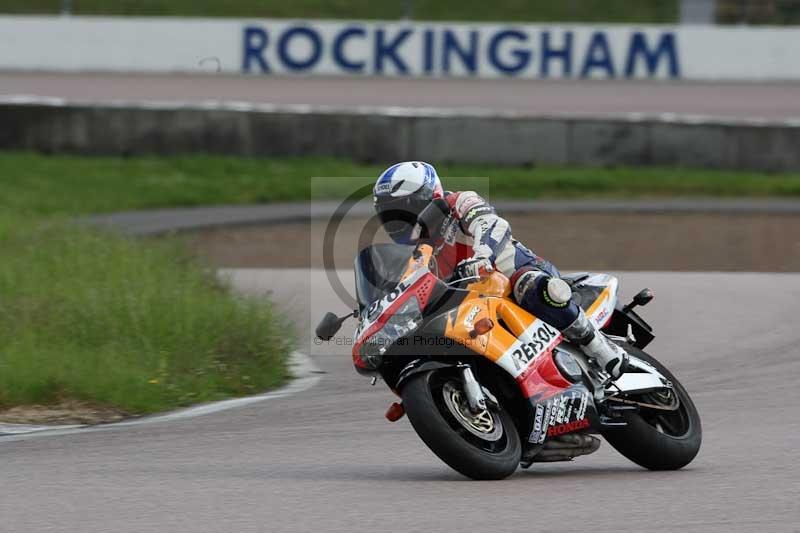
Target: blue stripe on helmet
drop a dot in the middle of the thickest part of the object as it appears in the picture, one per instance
(430, 175)
(386, 177)
(389, 173)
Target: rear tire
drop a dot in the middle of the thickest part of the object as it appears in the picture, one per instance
(448, 438)
(643, 443)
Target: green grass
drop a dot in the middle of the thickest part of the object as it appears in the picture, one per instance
(664, 11)
(111, 320)
(67, 185)
(117, 321)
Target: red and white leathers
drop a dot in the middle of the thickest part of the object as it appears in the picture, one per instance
(475, 231)
(474, 236)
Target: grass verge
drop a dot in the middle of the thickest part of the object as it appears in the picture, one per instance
(114, 321)
(71, 185)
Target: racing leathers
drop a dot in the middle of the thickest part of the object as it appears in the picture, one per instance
(475, 239)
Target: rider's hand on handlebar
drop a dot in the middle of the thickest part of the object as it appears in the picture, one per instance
(474, 267)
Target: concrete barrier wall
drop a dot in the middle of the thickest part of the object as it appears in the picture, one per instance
(382, 135)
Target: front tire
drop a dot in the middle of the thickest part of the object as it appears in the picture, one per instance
(659, 443)
(484, 447)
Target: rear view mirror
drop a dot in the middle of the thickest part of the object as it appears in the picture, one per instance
(329, 326)
(644, 297)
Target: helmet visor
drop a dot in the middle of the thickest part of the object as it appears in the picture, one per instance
(399, 215)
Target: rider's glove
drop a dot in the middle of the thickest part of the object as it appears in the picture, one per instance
(472, 267)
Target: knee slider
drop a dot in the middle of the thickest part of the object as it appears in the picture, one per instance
(556, 292)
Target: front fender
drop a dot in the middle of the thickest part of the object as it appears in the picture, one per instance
(419, 366)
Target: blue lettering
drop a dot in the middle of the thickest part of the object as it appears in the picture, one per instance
(338, 49)
(299, 64)
(255, 41)
(427, 51)
(666, 47)
(522, 56)
(384, 50)
(564, 54)
(598, 55)
(468, 56)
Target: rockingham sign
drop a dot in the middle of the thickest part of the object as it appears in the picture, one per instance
(398, 49)
(458, 50)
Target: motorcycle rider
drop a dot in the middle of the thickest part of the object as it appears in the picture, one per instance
(476, 240)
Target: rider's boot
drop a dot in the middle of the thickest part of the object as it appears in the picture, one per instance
(611, 358)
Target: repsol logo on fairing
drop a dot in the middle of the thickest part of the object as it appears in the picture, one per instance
(378, 306)
(569, 427)
(460, 50)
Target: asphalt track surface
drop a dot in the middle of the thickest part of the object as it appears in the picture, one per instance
(773, 100)
(327, 460)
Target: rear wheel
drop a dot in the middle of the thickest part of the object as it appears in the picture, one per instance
(660, 439)
(481, 445)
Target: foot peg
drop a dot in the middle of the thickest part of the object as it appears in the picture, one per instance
(617, 367)
(609, 357)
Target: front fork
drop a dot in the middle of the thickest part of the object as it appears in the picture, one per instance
(472, 389)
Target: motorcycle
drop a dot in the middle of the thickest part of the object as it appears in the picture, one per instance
(489, 387)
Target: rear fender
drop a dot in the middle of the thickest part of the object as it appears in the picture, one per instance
(624, 322)
(640, 378)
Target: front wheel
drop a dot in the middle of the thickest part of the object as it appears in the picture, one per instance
(658, 439)
(481, 446)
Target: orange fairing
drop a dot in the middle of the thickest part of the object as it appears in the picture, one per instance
(421, 259)
(517, 342)
(488, 299)
(495, 284)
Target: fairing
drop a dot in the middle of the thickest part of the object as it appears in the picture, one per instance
(394, 288)
(519, 343)
(378, 269)
(597, 295)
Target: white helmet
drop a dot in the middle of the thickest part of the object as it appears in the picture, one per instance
(400, 195)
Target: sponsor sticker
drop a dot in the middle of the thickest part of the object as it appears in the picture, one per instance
(568, 427)
(546, 421)
(467, 202)
(600, 317)
(538, 421)
(450, 232)
(468, 321)
(475, 212)
(543, 337)
(581, 413)
(562, 410)
(383, 187)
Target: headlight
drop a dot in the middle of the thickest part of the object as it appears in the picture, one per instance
(405, 320)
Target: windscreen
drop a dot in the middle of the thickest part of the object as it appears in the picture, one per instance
(378, 270)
